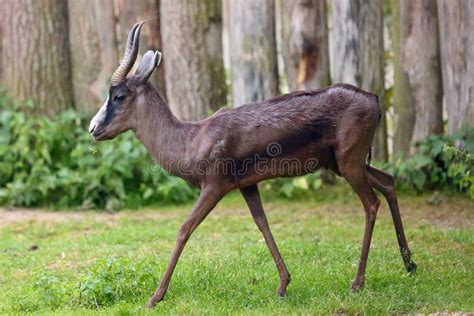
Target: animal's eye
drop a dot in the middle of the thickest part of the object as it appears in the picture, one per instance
(119, 97)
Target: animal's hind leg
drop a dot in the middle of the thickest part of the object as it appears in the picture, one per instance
(384, 183)
(356, 175)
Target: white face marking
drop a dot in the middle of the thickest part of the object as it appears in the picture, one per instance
(99, 117)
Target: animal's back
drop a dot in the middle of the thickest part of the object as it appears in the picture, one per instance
(292, 120)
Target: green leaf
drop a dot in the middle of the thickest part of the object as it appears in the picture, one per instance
(419, 179)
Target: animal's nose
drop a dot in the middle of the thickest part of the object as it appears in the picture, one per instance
(91, 129)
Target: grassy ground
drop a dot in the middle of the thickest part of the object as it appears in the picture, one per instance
(88, 262)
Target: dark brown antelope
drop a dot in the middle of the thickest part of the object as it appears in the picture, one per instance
(287, 136)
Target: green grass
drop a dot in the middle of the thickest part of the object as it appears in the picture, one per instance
(110, 263)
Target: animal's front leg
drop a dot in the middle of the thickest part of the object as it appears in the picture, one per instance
(252, 197)
(207, 200)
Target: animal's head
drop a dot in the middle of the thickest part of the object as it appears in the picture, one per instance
(117, 114)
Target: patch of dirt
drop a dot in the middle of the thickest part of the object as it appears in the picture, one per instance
(452, 213)
(18, 215)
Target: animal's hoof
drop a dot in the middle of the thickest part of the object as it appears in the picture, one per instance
(152, 302)
(357, 286)
(411, 269)
(281, 291)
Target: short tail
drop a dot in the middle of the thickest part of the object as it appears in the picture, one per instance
(369, 154)
(369, 157)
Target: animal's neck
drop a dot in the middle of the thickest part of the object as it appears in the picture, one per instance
(163, 135)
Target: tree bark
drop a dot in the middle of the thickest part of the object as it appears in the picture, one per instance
(305, 51)
(94, 55)
(456, 20)
(192, 55)
(402, 100)
(1, 36)
(417, 87)
(359, 54)
(254, 69)
(35, 59)
(131, 12)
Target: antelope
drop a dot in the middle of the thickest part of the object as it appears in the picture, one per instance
(329, 128)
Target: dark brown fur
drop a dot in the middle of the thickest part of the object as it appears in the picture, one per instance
(308, 124)
(333, 126)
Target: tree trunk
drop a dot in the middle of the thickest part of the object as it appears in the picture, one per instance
(1, 36)
(402, 99)
(254, 69)
(192, 55)
(359, 54)
(93, 51)
(456, 20)
(35, 59)
(417, 88)
(131, 12)
(304, 34)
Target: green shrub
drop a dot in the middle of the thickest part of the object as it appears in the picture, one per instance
(106, 282)
(56, 163)
(50, 288)
(295, 187)
(111, 280)
(440, 163)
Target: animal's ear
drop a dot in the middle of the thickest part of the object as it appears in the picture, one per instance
(147, 65)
